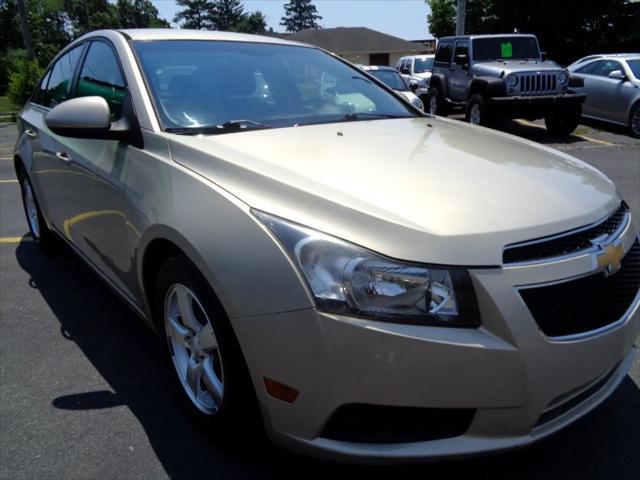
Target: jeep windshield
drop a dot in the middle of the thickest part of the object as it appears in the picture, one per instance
(505, 48)
(217, 87)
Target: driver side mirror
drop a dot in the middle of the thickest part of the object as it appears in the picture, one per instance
(617, 75)
(89, 117)
(413, 86)
(543, 56)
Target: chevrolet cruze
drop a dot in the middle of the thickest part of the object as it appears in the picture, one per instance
(373, 283)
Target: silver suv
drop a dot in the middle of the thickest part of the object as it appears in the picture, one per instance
(503, 75)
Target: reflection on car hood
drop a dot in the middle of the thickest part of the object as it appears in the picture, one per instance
(424, 189)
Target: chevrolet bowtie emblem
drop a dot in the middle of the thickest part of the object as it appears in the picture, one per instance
(609, 258)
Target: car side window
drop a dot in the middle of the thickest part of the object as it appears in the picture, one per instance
(39, 94)
(443, 55)
(588, 69)
(60, 77)
(606, 67)
(462, 48)
(101, 76)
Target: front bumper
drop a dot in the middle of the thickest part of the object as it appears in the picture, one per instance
(539, 105)
(520, 384)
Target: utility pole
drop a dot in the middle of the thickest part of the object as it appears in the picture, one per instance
(26, 31)
(460, 14)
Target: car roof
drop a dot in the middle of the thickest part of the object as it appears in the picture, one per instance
(427, 55)
(493, 35)
(377, 67)
(187, 34)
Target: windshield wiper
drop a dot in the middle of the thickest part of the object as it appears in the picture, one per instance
(226, 127)
(358, 116)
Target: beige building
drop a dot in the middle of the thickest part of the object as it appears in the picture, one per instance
(360, 45)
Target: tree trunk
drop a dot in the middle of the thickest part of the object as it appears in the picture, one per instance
(26, 31)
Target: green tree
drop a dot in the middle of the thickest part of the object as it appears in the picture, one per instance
(442, 19)
(23, 80)
(255, 22)
(299, 15)
(89, 15)
(196, 14)
(227, 14)
(139, 14)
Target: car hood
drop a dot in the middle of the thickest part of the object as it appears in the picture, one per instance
(422, 189)
(510, 66)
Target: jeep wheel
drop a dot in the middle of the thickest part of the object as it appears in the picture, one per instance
(477, 113)
(562, 124)
(434, 103)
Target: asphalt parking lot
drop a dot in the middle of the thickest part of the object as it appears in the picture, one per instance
(84, 393)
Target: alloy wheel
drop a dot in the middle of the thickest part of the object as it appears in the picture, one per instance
(474, 116)
(635, 122)
(433, 105)
(194, 349)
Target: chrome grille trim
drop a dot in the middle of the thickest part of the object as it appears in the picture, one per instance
(537, 83)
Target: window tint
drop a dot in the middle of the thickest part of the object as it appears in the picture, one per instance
(423, 65)
(101, 76)
(606, 67)
(589, 68)
(462, 48)
(634, 65)
(497, 48)
(60, 78)
(443, 55)
(40, 93)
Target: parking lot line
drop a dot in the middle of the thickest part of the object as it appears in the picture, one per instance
(8, 181)
(588, 139)
(13, 240)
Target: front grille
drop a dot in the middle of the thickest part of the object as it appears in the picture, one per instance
(588, 303)
(363, 423)
(537, 83)
(566, 243)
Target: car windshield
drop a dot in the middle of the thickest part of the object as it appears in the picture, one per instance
(634, 65)
(229, 86)
(423, 65)
(505, 48)
(391, 78)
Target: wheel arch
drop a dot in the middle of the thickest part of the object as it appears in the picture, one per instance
(438, 81)
(487, 86)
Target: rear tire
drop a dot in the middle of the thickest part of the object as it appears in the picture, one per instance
(38, 228)
(634, 121)
(477, 112)
(203, 354)
(562, 124)
(435, 104)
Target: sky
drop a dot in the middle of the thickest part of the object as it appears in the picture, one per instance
(403, 18)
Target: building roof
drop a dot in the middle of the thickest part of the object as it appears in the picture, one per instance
(354, 40)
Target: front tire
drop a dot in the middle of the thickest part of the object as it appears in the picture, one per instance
(477, 112)
(38, 228)
(435, 104)
(634, 121)
(208, 367)
(562, 124)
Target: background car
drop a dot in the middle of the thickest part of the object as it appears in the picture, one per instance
(612, 85)
(394, 80)
(417, 69)
(598, 55)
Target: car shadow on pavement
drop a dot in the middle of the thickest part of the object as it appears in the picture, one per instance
(128, 356)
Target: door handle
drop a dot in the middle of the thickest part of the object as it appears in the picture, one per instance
(64, 157)
(30, 133)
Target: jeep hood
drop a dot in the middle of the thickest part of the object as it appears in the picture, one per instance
(496, 68)
(421, 189)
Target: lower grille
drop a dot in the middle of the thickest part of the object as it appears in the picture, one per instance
(588, 303)
(362, 423)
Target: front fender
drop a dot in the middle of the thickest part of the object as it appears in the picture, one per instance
(489, 86)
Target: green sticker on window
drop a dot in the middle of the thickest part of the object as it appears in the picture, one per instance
(507, 49)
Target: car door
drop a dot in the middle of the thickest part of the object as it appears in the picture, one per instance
(48, 168)
(458, 77)
(442, 62)
(606, 97)
(98, 222)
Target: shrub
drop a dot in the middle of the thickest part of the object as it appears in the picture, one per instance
(22, 80)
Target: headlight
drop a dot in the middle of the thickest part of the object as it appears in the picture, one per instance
(416, 102)
(563, 77)
(512, 80)
(347, 279)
